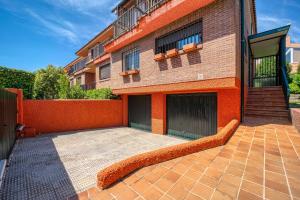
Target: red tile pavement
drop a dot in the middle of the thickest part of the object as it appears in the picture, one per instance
(261, 161)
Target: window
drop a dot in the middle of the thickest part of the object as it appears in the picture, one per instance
(131, 59)
(78, 80)
(104, 72)
(191, 33)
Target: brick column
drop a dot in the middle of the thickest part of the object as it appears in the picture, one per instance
(159, 113)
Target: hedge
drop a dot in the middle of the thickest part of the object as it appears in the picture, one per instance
(13, 78)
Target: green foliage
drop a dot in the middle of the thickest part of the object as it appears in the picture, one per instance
(12, 78)
(294, 88)
(104, 93)
(46, 84)
(266, 66)
(76, 92)
(296, 79)
(64, 86)
(298, 68)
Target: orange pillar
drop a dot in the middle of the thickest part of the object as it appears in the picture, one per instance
(125, 109)
(159, 113)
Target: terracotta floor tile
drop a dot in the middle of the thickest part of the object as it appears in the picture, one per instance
(202, 191)
(96, 194)
(276, 195)
(277, 186)
(180, 168)
(121, 191)
(214, 173)
(211, 182)
(295, 187)
(244, 195)
(181, 188)
(165, 197)
(172, 176)
(164, 184)
(130, 179)
(252, 188)
(141, 186)
(192, 174)
(191, 196)
(228, 189)
(275, 177)
(233, 180)
(152, 194)
(218, 195)
(274, 168)
(254, 178)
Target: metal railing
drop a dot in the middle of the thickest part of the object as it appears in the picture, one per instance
(129, 19)
(8, 122)
(95, 52)
(78, 66)
(285, 84)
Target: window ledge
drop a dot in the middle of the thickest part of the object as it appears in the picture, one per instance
(104, 80)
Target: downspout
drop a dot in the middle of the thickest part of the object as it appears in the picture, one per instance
(242, 58)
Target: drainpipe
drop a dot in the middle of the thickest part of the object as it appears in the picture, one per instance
(242, 58)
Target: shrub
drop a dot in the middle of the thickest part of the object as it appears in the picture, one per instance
(76, 92)
(296, 79)
(104, 93)
(46, 83)
(294, 88)
(64, 86)
(288, 68)
(13, 78)
(298, 68)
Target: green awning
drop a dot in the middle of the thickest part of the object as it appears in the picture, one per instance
(267, 43)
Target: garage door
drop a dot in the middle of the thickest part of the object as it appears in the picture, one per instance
(139, 112)
(192, 115)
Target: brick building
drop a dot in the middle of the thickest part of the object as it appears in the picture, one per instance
(182, 67)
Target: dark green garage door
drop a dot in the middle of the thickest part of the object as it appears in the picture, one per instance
(192, 115)
(139, 112)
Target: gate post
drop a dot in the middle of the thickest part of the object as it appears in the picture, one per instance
(20, 111)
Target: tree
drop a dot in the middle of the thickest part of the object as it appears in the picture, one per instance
(64, 86)
(46, 83)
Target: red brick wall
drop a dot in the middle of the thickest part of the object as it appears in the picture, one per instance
(217, 59)
(66, 115)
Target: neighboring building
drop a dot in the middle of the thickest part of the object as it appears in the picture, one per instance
(178, 64)
(292, 54)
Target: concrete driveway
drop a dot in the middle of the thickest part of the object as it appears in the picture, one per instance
(56, 166)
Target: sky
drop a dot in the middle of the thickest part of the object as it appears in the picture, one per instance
(35, 33)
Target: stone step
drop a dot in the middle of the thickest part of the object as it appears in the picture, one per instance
(269, 109)
(266, 113)
(274, 88)
(262, 107)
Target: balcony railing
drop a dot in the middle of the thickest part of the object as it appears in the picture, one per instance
(95, 52)
(78, 66)
(129, 19)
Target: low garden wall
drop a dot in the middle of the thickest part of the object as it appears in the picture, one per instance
(295, 112)
(67, 115)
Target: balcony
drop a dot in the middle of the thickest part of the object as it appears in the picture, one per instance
(78, 66)
(147, 16)
(95, 52)
(129, 19)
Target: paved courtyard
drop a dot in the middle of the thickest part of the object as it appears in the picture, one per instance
(56, 166)
(260, 161)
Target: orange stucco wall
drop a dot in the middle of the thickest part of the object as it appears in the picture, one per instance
(228, 107)
(65, 115)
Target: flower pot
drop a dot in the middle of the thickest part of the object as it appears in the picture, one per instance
(159, 57)
(133, 71)
(123, 73)
(172, 53)
(189, 47)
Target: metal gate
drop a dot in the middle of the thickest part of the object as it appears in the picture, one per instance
(265, 72)
(192, 115)
(8, 121)
(139, 112)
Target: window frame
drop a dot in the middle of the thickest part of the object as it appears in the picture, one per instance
(102, 66)
(135, 59)
(198, 34)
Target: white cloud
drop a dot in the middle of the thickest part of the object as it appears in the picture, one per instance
(61, 28)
